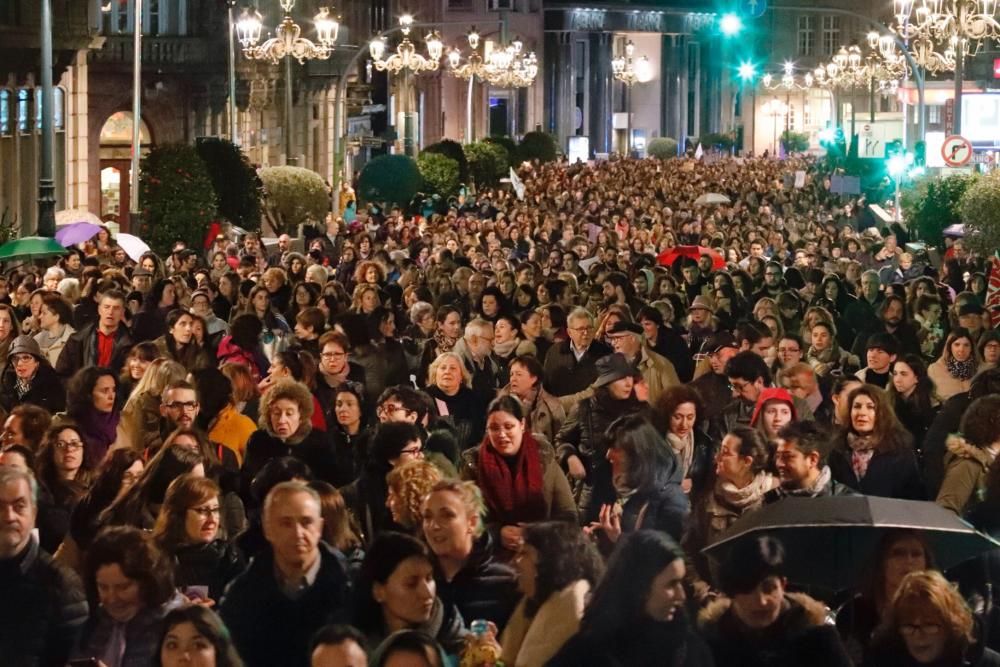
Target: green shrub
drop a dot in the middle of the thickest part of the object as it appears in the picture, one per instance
(980, 211)
(440, 173)
(454, 150)
(238, 189)
(390, 179)
(795, 142)
(508, 145)
(293, 196)
(719, 140)
(932, 204)
(537, 146)
(178, 202)
(662, 148)
(488, 163)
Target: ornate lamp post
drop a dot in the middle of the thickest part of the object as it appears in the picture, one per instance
(630, 71)
(788, 83)
(774, 108)
(287, 44)
(407, 60)
(942, 32)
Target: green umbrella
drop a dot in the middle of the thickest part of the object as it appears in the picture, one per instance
(31, 246)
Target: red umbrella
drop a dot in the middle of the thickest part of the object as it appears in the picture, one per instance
(668, 257)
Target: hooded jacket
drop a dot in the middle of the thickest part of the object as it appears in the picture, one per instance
(800, 636)
(964, 484)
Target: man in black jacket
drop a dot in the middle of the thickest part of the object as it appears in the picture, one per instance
(44, 606)
(290, 591)
(570, 366)
(800, 458)
(105, 343)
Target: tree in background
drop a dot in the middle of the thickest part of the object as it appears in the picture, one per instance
(390, 179)
(488, 163)
(440, 173)
(238, 189)
(177, 196)
(454, 150)
(980, 211)
(662, 148)
(508, 145)
(795, 142)
(537, 146)
(293, 196)
(932, 204)
(720, 140)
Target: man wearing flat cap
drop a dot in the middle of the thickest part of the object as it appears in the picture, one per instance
(658, 374)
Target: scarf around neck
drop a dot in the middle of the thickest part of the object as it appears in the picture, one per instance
(513, 492)
(683, 449)
(506, 349)
(443, 343)
(961, 370)
(741, 498)
(862, 450)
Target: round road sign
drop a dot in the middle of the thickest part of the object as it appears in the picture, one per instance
(956, 151)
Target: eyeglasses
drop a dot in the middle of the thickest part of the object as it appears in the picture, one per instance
(68, 445)
(388, 408)
(581, 329)
(911, 629)
(206, 512)
(332, 355)
(183, 405)
(23, 358)
(416, 452)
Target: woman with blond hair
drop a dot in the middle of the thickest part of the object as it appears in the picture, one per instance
(409, 484)
(140, 421)
(928, 623)
(449, 384)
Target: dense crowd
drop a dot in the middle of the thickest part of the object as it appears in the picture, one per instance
(500, 430)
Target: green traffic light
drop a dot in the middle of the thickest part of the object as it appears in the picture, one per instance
(747, 71)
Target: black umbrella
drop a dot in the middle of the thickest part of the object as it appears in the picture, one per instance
(829, 541)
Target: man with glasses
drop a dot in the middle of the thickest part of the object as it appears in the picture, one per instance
(791, 350)
(44, 606)
(774, 282)
(335, 368)
(570, 366)
(748, 376)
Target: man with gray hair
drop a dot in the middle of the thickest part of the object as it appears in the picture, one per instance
(658, 374)
(476, 350)
(570, 365)
(44, 605)
(290, 591)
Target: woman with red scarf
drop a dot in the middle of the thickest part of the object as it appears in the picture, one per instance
(518, 474)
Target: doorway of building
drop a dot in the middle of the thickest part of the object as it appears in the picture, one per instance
(116, 150)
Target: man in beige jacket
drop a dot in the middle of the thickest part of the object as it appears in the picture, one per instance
(658, 373)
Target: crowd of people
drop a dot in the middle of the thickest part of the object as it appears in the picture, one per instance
(499, 432)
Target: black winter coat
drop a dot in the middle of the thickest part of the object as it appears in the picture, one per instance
(564, 375)
(891, 652)
(81, 350)
(946, 422)
(483, 589)
(645, 644)
(46, 389)
(43, 610)
(799, 637)
(213, 565)
(890, 475)
(313, 448)
(269, 628)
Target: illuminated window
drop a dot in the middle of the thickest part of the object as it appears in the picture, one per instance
(806, 36)
(4, 112)
(23, 110)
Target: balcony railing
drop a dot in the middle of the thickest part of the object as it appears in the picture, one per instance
(188, 53)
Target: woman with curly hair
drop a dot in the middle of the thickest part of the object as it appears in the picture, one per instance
(680, 413)
(130, 585)
(557, 567)
(952, 372)
(285, 429)
(369, 273)
(409, 483)
(140, 504)
(873, 454)
(928, 623)
(64, 476)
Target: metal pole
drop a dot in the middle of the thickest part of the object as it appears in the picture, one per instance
(959, 81)
(854, 109)
(46, 184)
(289, 160)
(136, 114)
(628, 120)
(895, 204)
(469, 138)
(232, 75)
(871, 101)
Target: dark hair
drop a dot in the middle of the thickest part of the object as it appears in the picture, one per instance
(387, 551)
(139, 560)
(387, 442)
(408, 641)
(510, 404)
(751, 333)
(618, 602)
(244, 331)
(209, 625)
(413, 400)
(146, 350)
(529, 363)
(752, 444)
(35, 421)
(922, 398)
(672, 398)
(565, 555)
(80, 391)
(276, 471)
(808, 437)
(65, 491)
(25, 452)
(313, 317)
(169, 463)
(334, 635)
(215, 392)
(748, 366)
(981, 421)
(875, 584)
(749, 562)
(889, 435)
(58, 305)
(650, 460)
(985, 383)
(301, 364)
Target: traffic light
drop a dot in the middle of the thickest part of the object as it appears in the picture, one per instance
(893, 148)
(920, 153)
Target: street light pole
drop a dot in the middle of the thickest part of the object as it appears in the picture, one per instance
(289, 159)
(46, 184)
(133, 212)
(232, 74)
(959, 81)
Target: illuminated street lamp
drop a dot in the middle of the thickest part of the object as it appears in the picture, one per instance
(629, 70)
